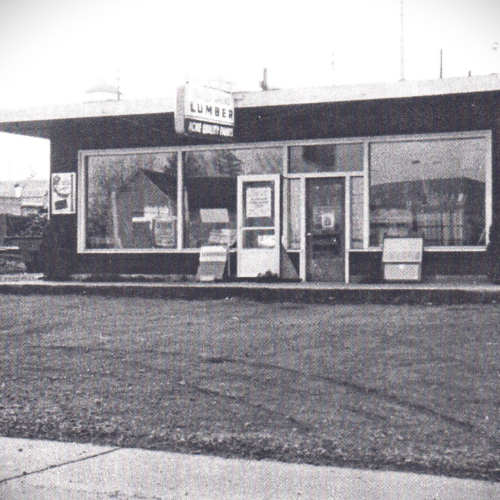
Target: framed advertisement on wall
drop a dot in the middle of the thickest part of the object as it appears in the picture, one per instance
(63, 193)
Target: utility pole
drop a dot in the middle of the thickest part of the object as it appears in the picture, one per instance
(118, 93)
(494, 48)
(402, 42)
(333, 67)
(441, 64)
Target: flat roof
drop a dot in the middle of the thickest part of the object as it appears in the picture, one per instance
(364, 92)
(88, 110)
(277, 97)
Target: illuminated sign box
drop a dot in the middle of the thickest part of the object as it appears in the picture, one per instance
(402, 258)
(204, 112)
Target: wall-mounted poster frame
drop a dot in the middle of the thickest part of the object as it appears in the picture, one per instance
(63, 193)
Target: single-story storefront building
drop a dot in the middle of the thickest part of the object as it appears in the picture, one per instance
(304, 184)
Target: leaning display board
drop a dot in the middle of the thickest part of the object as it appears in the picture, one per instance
(402, 258)
(213, 261)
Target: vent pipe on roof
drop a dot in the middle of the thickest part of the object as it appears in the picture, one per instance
(263, 84)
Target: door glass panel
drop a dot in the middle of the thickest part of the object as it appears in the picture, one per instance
(259, 238)
(258, 200)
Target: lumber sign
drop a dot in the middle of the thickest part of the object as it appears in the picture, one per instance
(203, 111)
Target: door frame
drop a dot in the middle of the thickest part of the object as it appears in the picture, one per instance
(347, 217)
(246, 253)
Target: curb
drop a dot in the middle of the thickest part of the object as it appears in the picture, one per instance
(347, 294)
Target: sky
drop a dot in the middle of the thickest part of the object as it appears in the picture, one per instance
(53, 51)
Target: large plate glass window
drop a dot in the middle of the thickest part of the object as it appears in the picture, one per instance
(433, 188)
(293, 191)
(357, 211)
(326, 158)
(131, 201)
(210, 190)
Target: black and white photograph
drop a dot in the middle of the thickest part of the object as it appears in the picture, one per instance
(250, 250)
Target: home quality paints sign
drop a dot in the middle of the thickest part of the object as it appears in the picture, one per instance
(204, 111)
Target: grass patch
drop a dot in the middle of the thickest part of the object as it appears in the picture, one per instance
(387, 387)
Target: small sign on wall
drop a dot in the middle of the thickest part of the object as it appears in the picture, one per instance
(63, 193)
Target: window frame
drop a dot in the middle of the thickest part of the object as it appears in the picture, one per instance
(83, 156)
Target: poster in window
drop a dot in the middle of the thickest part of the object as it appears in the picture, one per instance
(259, 202)
(165, 233)
(324, 218)
(63, 193)
(328, 220)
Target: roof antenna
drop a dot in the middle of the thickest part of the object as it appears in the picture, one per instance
(263, 84)
(402, 42)
(333, 67)
(494, 47)
(118, 92)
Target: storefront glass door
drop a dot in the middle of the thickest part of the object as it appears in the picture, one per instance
(259, 226)
(325, 229)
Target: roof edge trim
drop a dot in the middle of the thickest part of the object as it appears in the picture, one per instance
(280, 97)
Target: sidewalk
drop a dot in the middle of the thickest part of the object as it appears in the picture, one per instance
(46, 470)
